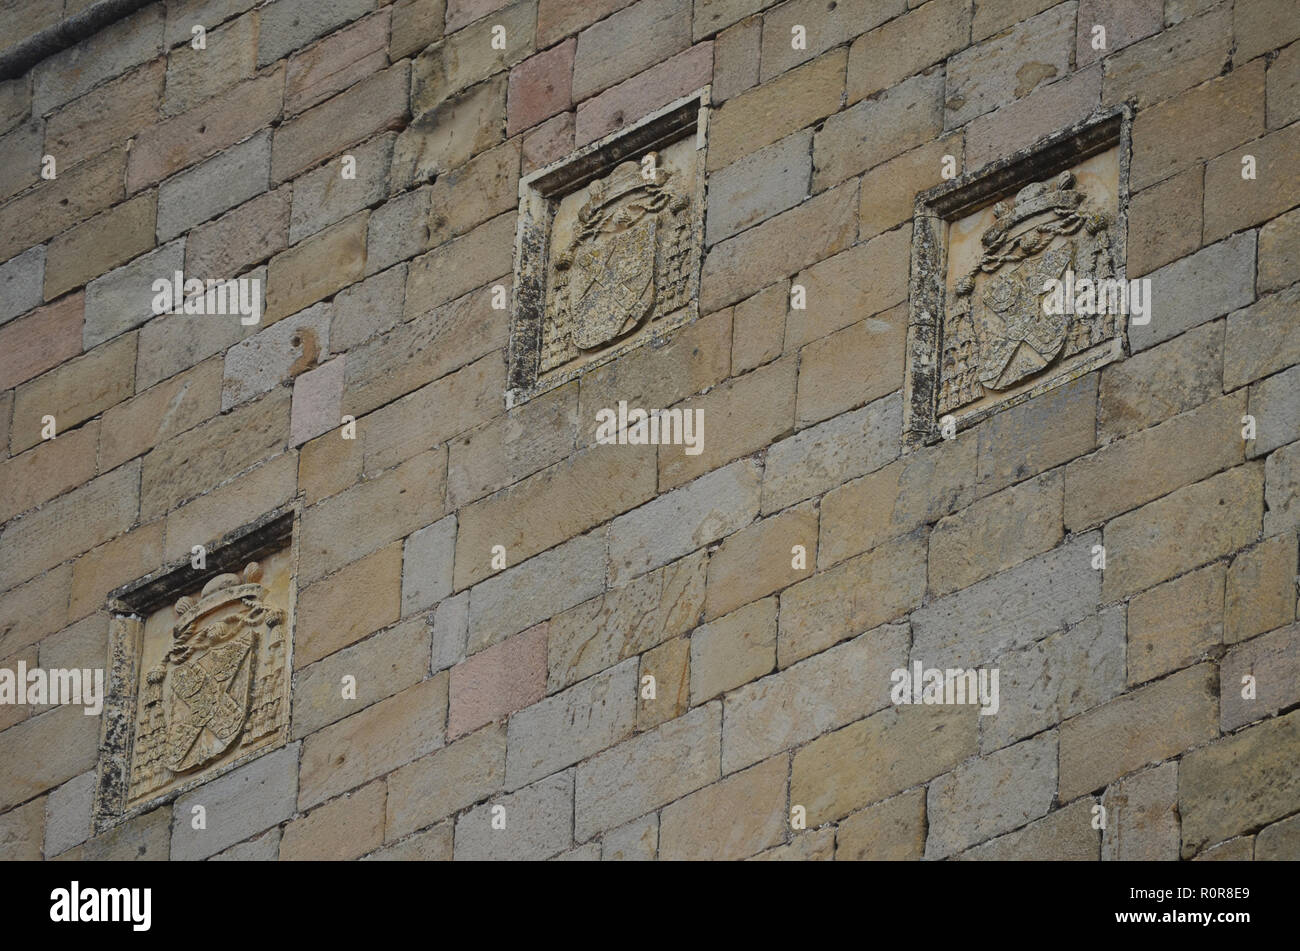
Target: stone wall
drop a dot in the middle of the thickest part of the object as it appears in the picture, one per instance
(516, 678)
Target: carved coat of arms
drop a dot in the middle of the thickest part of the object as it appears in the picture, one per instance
(219, 684)
(997, 333)
(627, 262)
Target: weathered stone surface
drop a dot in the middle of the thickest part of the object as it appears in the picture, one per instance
(122, 298)
(67, 814)
(825, 26)
(416, 24)
(917, 489)
(1009, 65)
(1161, 382)
(1116, 738)
(622, 45)
(1279, 842)
(758, 327)
(332, 65)
(735, 818)
(291, 24)
(382, 665)
(238, 805)
(211, 453)
(991, 795)
(758, 186)
(571, 726)
(322, 197)
(471, 55)
(240, 238)
(733, 650)
(175, 342)
(541, 587)
(1164, 221)
(622, 622)
(1142, 817)
(1275, 404)
(262, 848)
(1119, 477)
(829, 454)
(1055, 678)
(538, 823)
(374, 104)
(890, 831)
(875, 758)
(1232, 202)
(426, 565)
(645, 772)
(635, 98)
(98, 245)
(525, 440)
(1239, 783)
(113, 50)
(1282, 489)
(21, 279)
(30, 611)
(317, 395)
(1183, 530)
(497, 681)
(69, 525)
(638, 841)
(458, 267)
(266, 359)
(316, 268)
(452, 336)
(217, 123)
(1064, 835)
(822, 693)
(47, 470)
(878, 586)
(996, 533)
(817, 845)
(1011, 609)
(72, 391)
(210, 188)
(1279, 252)
(51, 207)
(1038, 435)
(1261, 339)
(240, 501)
(1187, 53)
(743, 416)
(21, 832)
(1174, 624)
(451, 134)
(195, 75)
(760, 559)
(1273, 661)
(338, 530)
(905, 116)
(362, 598)
(482, 188)
(539, 87)
(341, 829)
(695, 358)
(904, 45)
(670, 665)
(770, 112)
(1229, 109)
(1261, 591)
(373, 742)
(449, 779)
(678, 522)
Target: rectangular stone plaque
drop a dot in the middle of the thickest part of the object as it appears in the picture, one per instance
(984, 331)
(607, 253)
(200, 666)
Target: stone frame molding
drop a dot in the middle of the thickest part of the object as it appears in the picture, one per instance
(938, 207)
(128, 608)
(540, 193)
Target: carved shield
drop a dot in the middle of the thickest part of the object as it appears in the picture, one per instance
(1021, 339)
(207, 702)
(612, 289)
